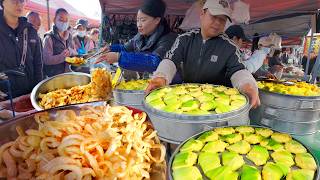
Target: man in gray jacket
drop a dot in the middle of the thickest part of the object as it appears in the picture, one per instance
(207, 55)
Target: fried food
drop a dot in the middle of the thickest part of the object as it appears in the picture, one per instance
(100, 88)
(75, 60)
(297, 89)
(137, 85)
(100, 142)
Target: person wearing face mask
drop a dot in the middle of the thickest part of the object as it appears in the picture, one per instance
(58, 45)
(80, 39)
(20, 49)
(94, 38)
(144, 52)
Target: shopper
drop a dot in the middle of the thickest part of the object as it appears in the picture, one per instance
(58, 45)
(34, 19)
(145, 51)
(207, 55)
(20, 49)
(80, 39)
(94, 38)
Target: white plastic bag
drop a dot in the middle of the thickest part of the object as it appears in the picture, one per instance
(192, 18)
(241, 12)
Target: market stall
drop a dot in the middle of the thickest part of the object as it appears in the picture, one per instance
(89, 140)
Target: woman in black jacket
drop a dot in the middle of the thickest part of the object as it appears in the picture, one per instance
(144, 52)
(20, 49)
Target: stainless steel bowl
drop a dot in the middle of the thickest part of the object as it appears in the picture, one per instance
(316, 176)
(129, 98)
(61, 81)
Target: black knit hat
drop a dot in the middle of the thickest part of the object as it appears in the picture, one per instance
(154, 8)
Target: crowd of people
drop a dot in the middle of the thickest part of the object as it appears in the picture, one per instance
(207, 55)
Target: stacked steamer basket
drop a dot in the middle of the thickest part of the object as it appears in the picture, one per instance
(288, 109)
(174, 125)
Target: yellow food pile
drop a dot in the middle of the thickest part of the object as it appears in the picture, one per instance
(298, 89)
(75, 60)
(101, 142)
(99, 89)
(138, 85)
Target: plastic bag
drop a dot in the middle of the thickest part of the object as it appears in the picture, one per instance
(241, 12)
(192, 18)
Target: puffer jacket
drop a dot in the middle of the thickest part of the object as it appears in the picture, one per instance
(11, 49)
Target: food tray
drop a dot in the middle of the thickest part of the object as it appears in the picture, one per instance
(247, 161)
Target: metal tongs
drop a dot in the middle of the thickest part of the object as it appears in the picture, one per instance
(265, 79)
(100, 52)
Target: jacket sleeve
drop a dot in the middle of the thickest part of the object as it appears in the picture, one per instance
(38, 62)
(164, 45)
(117, 48)
(255, 61)
(48, 57)
(140, 62)
(234, 63)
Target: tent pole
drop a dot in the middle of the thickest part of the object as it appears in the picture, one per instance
(310, 46)
(315, 70)
(48, 14)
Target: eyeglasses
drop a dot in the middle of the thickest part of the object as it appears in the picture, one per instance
(18, 1)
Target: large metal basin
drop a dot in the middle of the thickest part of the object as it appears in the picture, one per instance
(129, 98)
(316, 176)
(175, 128)
(284, 101)
(61, 81)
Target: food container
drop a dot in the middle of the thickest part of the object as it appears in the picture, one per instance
(316, 176)
(129, 98)
(61, 81)
(298, 115)
(8, 131)
(175, 128)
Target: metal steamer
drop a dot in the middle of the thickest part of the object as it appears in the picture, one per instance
(175, 128)
(299, 115)
(130, 98)
(316, 176)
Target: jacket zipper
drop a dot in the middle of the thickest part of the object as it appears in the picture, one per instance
(200, 58)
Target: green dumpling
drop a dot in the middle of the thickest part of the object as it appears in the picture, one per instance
(208, 105)
(281, 137)
(295, 147)
(172, 107)
(241, 147)
(192, 145)
(232, 138)
(250, 173)
(208, 136)
(301, 174)
(237, 104)
(232, 159)
(222, 108)
(197, 112)
(224, 131)
(271, 171)
(157, 94)
(208, 161)
(238, 97)
(157, 104)
(231, 91)
(179, 90)
(258, 155)
(265, 132)
(305, 161)
(245, 129)
(222, 173)
(185, 98)
(184, 159)
(284, 168)
(187, 173)
(252, 138)
(205, 97)
(171, 99)
(222, 101)
(284, 157)
(271, 144)
(215, 146)
(190, 105)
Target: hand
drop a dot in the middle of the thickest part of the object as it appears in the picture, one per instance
(156, 83)
(66, 53)
(270, 76)
(110, 57)
(252, 93)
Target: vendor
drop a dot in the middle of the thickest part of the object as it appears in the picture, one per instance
(236, 33)
(80, 39)
(144, 52)
(207, 55)
(20, 49)
(58, 45)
